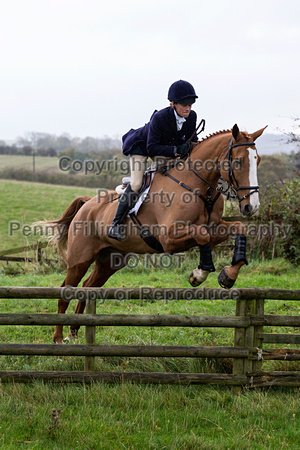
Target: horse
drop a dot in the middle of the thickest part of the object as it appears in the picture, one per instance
(193, 217)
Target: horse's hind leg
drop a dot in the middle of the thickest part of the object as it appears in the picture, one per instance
(102, 272)
(74, 275)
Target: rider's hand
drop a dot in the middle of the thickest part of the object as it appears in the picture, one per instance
(181, 150)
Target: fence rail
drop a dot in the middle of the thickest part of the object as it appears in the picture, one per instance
(148, 293)
(13, 251)
(247, 352)
(37, 248)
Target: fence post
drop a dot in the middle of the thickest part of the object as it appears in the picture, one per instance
(239, 341)
(258, 330)
(248, 337)
(249, 334)
(90, 336)
(39, 251)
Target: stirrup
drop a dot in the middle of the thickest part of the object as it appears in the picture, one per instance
(117, 231)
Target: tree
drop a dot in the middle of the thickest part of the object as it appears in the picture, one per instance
(294, 138)
(27, 150)
(272, 168)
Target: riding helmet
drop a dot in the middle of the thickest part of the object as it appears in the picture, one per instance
(182, 90)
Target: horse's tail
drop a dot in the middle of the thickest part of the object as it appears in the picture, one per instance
(56, 231)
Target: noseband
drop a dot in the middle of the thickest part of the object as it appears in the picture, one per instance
(231, 175)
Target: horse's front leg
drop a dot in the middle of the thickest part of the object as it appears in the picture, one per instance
(185, 236)
(229, 274)
(206, 265)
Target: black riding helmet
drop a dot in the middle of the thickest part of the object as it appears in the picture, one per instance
(182, 92)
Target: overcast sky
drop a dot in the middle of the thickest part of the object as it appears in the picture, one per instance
(98, 68)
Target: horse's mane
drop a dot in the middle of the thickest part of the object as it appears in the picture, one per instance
(217, 133)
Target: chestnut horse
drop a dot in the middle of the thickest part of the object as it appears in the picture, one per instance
(191, 217)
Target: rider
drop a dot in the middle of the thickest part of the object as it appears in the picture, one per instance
(164, 136)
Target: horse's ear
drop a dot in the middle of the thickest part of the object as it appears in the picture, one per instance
(235, 131)
(258, 133)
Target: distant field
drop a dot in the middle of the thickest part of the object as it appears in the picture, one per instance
(270, 170)
(24, 203)
(25, 162)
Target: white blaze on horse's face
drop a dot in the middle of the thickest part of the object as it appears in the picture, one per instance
(254, 199)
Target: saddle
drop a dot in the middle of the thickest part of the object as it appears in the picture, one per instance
(147, 181)
(145, 233)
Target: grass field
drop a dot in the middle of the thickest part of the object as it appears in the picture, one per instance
(145, 417)
(26, 162)
(22, 203)
(131, 416)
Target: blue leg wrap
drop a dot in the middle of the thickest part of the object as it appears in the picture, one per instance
(206, 262)
(239, 250)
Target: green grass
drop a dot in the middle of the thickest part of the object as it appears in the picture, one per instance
(24, 203)
(147, 417)
(136, 417)
(132, 416)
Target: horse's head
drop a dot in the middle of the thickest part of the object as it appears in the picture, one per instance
(239, 169)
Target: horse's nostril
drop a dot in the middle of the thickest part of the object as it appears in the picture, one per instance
(248, 209)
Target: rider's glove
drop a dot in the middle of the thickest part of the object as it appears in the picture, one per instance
(181, 150)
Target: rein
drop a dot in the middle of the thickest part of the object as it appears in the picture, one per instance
(209, 201)
(196, 132)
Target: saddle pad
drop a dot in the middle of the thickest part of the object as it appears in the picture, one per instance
(121, 188)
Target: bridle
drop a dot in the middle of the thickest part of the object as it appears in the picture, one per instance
(210, 200)
(231, 175)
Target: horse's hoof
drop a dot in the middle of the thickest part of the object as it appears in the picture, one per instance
(58, 340)
(224, 280)
(72, 336)
(194, 281)
(198, 276)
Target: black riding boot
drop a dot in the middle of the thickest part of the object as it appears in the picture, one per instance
(126, 203)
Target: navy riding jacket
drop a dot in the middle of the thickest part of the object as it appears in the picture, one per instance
(159, 136)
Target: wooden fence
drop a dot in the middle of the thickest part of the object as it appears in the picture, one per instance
(36, 249)
(247, 351)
